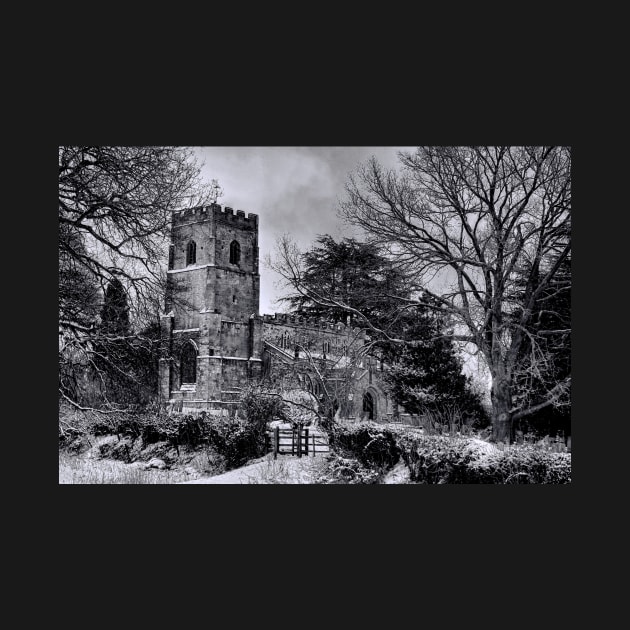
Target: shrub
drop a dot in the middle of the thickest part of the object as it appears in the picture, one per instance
(440, 459)
(373, 445)
(236, 440)
(436, 458)
(259, 405)
(341, 470)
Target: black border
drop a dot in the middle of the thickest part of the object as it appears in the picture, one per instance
(394, 526)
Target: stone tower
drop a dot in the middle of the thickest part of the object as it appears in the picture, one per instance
(211, 331)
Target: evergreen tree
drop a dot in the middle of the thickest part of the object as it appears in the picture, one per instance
(425, 373)
(115, 312)
(351, 273)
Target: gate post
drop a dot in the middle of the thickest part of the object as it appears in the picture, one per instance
(276, 442)
(299, 440)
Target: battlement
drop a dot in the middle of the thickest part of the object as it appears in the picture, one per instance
(225, 213)
(285, 319)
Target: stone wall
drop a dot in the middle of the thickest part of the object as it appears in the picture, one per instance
(214, 303)
(210, 301)
(291, 333)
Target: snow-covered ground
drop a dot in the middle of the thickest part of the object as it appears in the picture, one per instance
(265, 470)
(91, 467)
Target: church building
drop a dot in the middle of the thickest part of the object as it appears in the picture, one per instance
(215, 342)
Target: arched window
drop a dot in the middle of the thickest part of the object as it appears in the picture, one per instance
(235, 253)
(171, 256)
(317, 389)
(188, 366)
(284, 340)
(335, 407)
(191, 253)
(326, 347)
(308, 383)
(368, 406)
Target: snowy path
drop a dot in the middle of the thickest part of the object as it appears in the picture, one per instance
(286, 469)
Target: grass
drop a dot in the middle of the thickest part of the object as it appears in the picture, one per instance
(77, 469)
(90, 468)
(294, 470)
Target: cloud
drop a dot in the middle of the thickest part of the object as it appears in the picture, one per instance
(294, 190)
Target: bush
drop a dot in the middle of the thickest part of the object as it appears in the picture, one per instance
(439, 459)
(347, 470)
(259, 405)
(436, 458)
(236, 440)
(373, 445)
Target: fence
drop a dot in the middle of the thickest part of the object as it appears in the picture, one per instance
(296, 441)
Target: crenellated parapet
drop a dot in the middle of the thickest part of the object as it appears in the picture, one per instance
(285, 319)
(222, 213)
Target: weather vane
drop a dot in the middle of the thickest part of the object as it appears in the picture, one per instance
(217, 191)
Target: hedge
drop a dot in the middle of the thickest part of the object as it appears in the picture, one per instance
(440, 459)
(237, 440)
(437, 459)
(371, 444)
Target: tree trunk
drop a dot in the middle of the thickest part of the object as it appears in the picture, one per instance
(501, 405)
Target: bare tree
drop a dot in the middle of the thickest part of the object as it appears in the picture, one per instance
(485, 221)
(481, 233)
(115, 206)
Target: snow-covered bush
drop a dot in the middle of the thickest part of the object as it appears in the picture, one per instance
(438, 459)
(441, 459)
(237, 440)
(299, 407)
(373, 445)
(341, 470)
(260, 405)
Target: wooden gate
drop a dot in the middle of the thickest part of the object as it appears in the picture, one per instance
(296, 441)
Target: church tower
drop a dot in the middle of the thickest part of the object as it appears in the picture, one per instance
(211, 332)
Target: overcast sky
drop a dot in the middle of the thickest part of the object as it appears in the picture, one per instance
(293, 190)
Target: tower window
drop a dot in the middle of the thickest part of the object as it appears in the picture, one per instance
(188, 366)
(171, 256)
(191, 253)
(235, 253)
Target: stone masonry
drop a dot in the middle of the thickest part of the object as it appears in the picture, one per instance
(214, 342)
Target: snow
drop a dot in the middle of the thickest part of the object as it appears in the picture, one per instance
(265, 470)
(398, 474)
(189, 268)
(480, 448)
